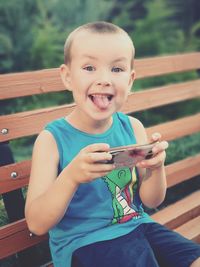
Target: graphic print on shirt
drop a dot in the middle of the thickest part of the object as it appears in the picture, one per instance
(122, 184)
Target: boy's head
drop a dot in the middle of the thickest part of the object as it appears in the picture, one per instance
(98, 68)
(99, 27)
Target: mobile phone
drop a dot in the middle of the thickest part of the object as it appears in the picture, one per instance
(129, 156)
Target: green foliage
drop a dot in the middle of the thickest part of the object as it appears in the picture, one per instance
(126, 13)
(5, 53)
(185, 15)
(195, 35)
(158, 26)
(183, 148)
(47, 47)
(3, 215)
(157, 34)
(16, 20)
(33, 32)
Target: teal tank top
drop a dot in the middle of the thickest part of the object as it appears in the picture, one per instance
(103, 209)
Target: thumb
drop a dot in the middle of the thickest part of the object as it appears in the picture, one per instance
(155, 137)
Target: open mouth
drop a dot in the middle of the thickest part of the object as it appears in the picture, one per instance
(102, 101)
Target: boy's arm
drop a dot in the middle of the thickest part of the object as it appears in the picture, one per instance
(49, 194)
(151, 172)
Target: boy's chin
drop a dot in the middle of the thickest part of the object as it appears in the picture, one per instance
(100, 114)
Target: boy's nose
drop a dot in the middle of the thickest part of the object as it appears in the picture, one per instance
(103, 79)
(103, 83)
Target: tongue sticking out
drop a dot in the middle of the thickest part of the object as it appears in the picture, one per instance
(101, 101)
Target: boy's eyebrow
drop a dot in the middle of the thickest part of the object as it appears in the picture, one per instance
(89, 56)
(120, 59)
(115, 60)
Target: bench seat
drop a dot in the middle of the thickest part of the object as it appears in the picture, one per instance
(182, 216)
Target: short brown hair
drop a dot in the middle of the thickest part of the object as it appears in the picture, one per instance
(94, 27)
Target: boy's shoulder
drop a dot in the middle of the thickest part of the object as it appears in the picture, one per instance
(135, 122)
(55, 123)
(132, 119)
(139, 130)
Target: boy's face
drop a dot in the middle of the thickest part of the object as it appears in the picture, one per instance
(100, 74)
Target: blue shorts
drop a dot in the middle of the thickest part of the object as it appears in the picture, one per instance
(149, 245)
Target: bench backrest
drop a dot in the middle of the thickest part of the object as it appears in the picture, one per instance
(15, 236)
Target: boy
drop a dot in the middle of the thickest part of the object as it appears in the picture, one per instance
(92, 210)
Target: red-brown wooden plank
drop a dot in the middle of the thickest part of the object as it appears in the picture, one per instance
(15, 237)
(183, 170)
(161, 96)
(176, 173)
(48, 80)
(31, 122)
(30, 83)
(155, 66)
(180, 212)
(7, 183)
(178, 128)
(49, 264)
(190, 230)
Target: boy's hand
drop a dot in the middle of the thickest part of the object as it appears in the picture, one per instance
(159, 154)
(87, 166)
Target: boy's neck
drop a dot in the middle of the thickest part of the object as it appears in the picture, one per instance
(88, 125)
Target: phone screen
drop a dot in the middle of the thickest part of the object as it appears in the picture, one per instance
(129, 156)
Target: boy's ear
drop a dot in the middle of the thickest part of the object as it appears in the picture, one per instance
(65, 76)
(132, 78)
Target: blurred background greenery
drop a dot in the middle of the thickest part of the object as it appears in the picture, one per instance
(33, 32)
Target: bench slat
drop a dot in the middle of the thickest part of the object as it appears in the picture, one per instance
(48, 80)
(32, 122)
(22, 169)
(30, 83)
(156, 66)
(160, 96)
(15, 237)
(176, 172)
(191, 229)
(186, 126)
(49, 264)
(180, 212)
(182, 170)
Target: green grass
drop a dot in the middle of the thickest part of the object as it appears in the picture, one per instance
(183, 147)
(3, 215)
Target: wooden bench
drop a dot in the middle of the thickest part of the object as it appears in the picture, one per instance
(183, 216)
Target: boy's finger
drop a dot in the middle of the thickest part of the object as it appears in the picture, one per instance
(101, 167)
(160, 147)
(153, 162)
(97, 147)
(98, 157)
(155, 137)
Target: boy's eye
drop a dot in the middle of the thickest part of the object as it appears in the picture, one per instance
(117, 69)
(89, 68)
